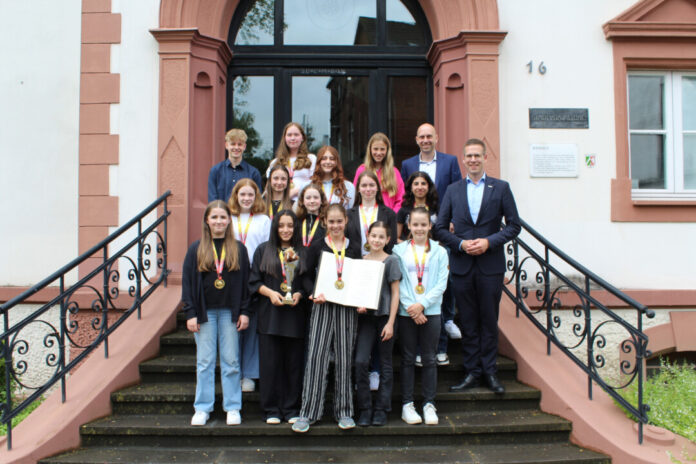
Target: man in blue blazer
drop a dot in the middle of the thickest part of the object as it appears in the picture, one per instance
(476, 206)
(442, 168)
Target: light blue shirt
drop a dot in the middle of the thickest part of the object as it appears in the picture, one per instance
(474, 194)
(429, 167)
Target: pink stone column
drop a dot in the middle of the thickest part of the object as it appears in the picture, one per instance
(465, 76)
(193, 81)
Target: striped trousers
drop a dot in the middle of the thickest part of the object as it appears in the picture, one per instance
(332, 327)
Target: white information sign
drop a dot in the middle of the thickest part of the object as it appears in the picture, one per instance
(553, 160)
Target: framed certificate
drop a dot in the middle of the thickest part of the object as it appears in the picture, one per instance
(362, 281)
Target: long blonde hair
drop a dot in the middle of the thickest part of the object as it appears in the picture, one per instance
(259, 207)
(283, 153)
(205, 256)
(388, 178)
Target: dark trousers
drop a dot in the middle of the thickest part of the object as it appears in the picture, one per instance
(369, 335)
(281, 368)
(412, 336)
(478, 298)
(447, 310)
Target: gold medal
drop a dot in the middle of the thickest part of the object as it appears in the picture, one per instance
(284, 287)
(366, 246)
(219, 284)
(292, 185)
(420, 289)
(339, 284)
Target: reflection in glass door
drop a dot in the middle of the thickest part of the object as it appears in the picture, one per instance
(252, 111)
(334, 110)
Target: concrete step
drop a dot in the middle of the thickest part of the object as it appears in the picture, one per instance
(546, 453)
(182, 368)
(455, 429)
(177, 398)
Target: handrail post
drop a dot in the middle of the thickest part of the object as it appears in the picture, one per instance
(8, 384)
(588, 335)
(63, 321)
(164, 244)
(105, 302)
(547, 301)
(516, 270)
(140, 270)
(641, 355)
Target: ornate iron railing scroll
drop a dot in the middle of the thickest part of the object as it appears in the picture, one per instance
(132, 259)
(559, 296)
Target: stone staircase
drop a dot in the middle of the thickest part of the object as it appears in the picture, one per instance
(150, 424)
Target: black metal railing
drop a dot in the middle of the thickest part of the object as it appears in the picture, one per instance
(563, 301)
(37, 345)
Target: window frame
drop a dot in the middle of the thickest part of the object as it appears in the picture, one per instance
(672, 131)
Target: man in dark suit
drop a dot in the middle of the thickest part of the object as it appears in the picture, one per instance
(476, 206)
(442, 168)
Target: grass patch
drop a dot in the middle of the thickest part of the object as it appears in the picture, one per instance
(671, 394)
(20, 417)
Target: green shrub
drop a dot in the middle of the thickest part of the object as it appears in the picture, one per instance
(671, 394)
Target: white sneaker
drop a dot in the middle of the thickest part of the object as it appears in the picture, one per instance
(374, 381)
(452, 330)
(273, 420)
(419, 361)
(430, 414)
(409, 414)
(248, 385)
(442, 359)
(233, 417)
(199, 418)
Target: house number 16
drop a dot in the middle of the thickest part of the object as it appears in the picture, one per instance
(541, 68)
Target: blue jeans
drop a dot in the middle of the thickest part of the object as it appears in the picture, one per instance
(219, 330)
(249, 349)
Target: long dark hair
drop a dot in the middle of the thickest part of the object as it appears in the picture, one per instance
(373, 176)
(431, 198)
(301, 209)
(269, 259)
(267, 196)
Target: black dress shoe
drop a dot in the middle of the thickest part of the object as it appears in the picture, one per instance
(469, 382)
(365, 418)
(379, 418)
(494, 384)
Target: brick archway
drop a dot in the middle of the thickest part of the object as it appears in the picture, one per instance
(192, 38)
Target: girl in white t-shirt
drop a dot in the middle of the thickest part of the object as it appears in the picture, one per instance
(251, 227)
(293, 153)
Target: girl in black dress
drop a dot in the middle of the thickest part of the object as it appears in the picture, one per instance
(420, 191)
(310, 208)
(276, 277)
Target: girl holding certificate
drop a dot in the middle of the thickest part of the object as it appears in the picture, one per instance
(368, 209)
(216, 303)
(277, 192)
(332, 327)
(424, 268)
(251, 227)
(376, 328)
(379, 160)
(329, 174)
(310, 212)
(294, 155)
(276, 277)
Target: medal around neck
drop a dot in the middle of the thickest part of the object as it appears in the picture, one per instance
(339, 284)
(219, 283)
(420, 289)
(285, 288)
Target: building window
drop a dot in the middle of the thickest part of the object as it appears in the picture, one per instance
(662, 135)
